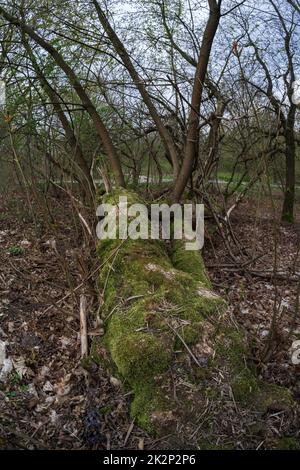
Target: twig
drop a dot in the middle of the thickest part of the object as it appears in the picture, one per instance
(122, 302)
(129, 432)
(185, 345)
(85, 223)
(83, 327)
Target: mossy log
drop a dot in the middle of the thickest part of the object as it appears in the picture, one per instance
(168, 336)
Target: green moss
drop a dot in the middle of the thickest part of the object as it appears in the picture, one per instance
(138, 335)
(244, 386)
(192, 333)
(288, 443)
(232, 351)
(207, 303)
(143, 293)
(113, 198)
(132, 271)
(148, 400)
(16, 250)
(147, 294)
(273, 397)
(231, 347)
(189, 261)
(140, 356)
(247, 390)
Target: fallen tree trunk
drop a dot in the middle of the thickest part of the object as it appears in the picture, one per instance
(170, 341)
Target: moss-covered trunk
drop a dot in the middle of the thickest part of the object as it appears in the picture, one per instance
(169, 339)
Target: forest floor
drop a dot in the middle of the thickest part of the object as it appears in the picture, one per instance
(256, 297)
(49, 400)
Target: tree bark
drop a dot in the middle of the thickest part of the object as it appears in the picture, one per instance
(290, 162)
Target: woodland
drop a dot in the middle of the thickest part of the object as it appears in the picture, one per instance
(142, 344)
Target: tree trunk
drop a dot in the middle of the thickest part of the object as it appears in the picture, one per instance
(162, 320)
(191, 146)
(290, 161)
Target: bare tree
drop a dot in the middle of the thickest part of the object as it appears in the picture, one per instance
(79, 89)
(284, 110)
